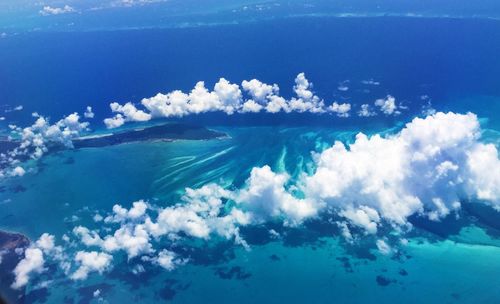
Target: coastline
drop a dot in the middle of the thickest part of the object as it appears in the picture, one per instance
(10, 242)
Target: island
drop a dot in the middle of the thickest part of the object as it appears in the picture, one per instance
(166, 132)
(9, 243)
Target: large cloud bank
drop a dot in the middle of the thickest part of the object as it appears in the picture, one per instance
(252, 96)
(426, 169)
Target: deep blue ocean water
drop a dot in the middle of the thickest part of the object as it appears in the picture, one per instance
(450, 60)
(453, 61)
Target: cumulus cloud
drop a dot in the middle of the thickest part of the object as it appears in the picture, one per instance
(383, 247)
(366, 111)
(49, 10)
(18, 171)
(370, 82)
(253, 96)
(115, 121)
(131, 3)
(91, 262)
(258, 90)
(343, 86)
(377, 177)
(36, 140)
(342, 110)
(225, 97)
(166, 259)
(388, 105)
(126, 112)
(266, 197)
(33, 262)
(88, 112)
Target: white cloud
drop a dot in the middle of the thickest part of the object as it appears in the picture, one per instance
(266, 197)
(364, 217)
(36, 139)
(365, 111)
(49, 10)
(383, 247)
(114, 122)
(370, 82)
(18, 171)
(126, 112)
(225, 97)
(133, 239)
(121, 214)
(91, 262)
(378, 174)
(251, 106)
(258, 90)
(306, 101)
(88, 112)
(46, 242)
(343, 86)
(33, 262)
(483, 166)
(388, 105)
(342, 109)
(131, 3)
(166, 259)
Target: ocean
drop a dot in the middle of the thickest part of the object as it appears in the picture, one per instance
(453, 62)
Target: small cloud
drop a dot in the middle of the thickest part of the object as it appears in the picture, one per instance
(18, 171)
(88, 112)
(342, 109)
(48, 10)
(383, 247)
(343, 86)
(17, 108)
(370, 82)
(366, 111)
(388, 105)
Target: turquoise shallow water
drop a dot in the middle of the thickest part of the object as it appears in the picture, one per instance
(305, 264)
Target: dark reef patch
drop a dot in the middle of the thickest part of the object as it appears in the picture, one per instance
(346, 263)
(69, 161)
(274, 258)
(172, 287)
(87, 293)
(384, 281)
(18, 189)
(235, 272)
(123, 273)
(36, 296)
(208, 254)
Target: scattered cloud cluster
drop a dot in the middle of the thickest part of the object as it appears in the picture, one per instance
(252, 96)
(36, 140)
(34, 260)
(388, 105)
(426, 169)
